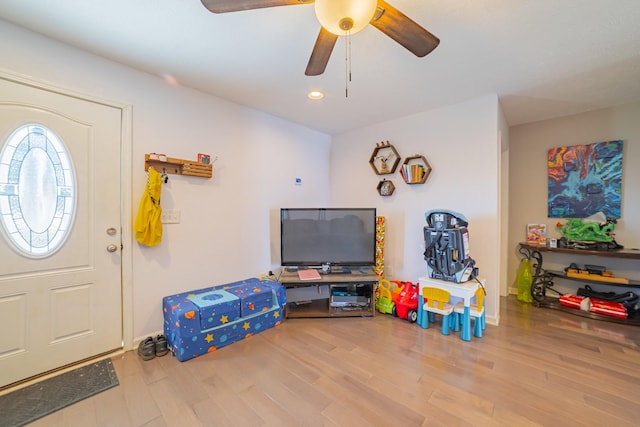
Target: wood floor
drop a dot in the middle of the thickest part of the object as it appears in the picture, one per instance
(538, 368)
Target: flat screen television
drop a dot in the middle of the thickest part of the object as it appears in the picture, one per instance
(312, 237)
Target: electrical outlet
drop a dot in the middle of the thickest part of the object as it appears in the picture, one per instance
(170, 216)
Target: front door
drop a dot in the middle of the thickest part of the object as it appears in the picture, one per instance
(60, 232)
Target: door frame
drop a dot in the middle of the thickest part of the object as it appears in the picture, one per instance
(125, 190)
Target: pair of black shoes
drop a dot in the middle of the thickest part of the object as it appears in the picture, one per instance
(152, 347)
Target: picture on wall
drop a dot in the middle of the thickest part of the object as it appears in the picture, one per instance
(585, 179)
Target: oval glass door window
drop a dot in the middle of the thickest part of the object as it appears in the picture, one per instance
(37, 191)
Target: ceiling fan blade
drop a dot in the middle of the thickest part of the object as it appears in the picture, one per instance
(321, 53)
(224, 6)
(403, 29)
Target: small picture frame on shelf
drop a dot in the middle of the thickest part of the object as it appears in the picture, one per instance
(537, 234)
(204, 158)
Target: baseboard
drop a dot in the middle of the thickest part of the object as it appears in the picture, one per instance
(492, 320)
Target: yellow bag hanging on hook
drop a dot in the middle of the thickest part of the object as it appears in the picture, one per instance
(148, 226)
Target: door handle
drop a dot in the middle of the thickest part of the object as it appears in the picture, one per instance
(112, 248)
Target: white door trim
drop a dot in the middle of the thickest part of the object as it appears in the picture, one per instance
(125, 194)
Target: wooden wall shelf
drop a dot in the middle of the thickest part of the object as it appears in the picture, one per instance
(179, 167)
(386, 188)
(384, 159)
(415, 170)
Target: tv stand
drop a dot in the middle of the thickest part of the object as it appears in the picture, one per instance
(333, 295)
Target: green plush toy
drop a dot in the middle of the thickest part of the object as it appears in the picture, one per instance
(579, 231)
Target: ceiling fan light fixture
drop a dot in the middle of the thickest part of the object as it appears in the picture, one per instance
(345, 16)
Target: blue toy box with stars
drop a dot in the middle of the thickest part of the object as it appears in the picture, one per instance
(204, 320)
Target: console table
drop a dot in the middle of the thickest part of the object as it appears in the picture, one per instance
(543, 278)
(333, 295)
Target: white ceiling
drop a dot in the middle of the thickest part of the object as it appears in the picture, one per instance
(543, 58)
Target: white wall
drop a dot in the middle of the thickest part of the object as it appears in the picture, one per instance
(460, 143)
(228, 221)
(529, 145)
(229, 224)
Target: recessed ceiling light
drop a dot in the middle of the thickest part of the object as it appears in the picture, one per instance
(315, 94)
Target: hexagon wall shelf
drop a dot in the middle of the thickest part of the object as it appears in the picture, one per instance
(384, 159)
(415, 170)
(386, 188)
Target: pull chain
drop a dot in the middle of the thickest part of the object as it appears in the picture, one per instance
(347, 59)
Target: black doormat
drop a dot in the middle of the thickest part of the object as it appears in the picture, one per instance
(26, 405)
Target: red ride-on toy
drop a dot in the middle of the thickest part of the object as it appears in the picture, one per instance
(406, 300)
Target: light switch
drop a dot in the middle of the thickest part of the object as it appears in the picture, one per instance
(170, 216)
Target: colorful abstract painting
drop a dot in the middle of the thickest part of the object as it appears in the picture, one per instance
(585, 179)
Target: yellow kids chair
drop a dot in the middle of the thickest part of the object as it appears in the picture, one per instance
(476, 311)
(436, 302)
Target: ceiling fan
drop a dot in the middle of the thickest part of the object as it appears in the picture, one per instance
(344, 17)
